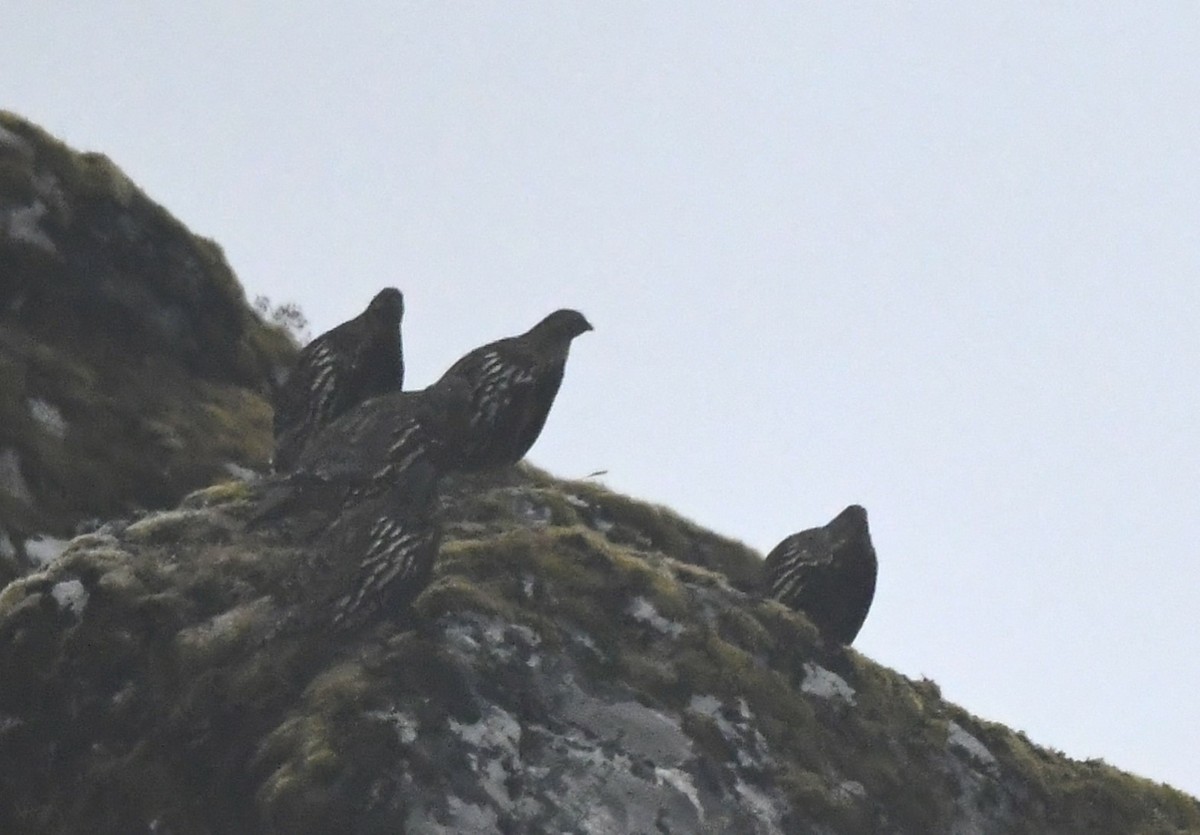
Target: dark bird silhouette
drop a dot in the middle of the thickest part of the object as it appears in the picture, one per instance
(376, 557)
(399, 444)
(828, 573)
(364, 498)
(355, 361)
(514, 382)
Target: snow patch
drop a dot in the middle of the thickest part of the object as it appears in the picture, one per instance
(7, 551)
(641, 609)
(960, 738)
(70, 595)
(825, 684)
(48, 415)
(43, 550)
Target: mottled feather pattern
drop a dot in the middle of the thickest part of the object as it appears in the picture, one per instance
(374, 467)
(396, 564)
(828, 573)
(514, 382)
(797, 555)
(357, 360)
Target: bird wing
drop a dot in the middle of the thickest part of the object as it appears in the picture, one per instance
(501, 378)
(531, 418)
(312, 397)
(796, 562)
(393, 558)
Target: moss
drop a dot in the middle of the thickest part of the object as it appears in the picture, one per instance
(743, 630)
(173, 525)
(16, 181)
(449, 595)
(220, 637)
(224, 493)
(809, 792)
(647, 674)
(707, 737)
(698, 576)
(160, 384)
(633, 523)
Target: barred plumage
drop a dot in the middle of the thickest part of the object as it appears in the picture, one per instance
(357, 360)
(364, 494)
(381, 557)
(399, 443)
(828, 573)
(514, 383)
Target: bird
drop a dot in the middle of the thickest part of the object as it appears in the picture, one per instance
(400, 444)
(356, 360)
(514, 382)
(375, 558)
(828, 573)
(363, 501)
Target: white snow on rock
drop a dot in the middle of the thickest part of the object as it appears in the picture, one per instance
(825, 684)
(960, 738)
(43, 550)
(641, 609)
(48, 415)
(70, 595)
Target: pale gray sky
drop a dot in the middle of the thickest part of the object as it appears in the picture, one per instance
(939, 259)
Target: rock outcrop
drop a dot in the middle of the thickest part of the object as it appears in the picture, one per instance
(582, 662)
(131, 368)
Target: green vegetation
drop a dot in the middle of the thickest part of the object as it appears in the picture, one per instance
(131, 368)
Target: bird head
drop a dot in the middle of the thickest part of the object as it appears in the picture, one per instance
(850, 524)
(387, 304)
(561, 325)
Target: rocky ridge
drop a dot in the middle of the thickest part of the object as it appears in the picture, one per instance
(131, 368)
(582, 661)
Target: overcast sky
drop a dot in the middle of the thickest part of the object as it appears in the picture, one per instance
(939, 259)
